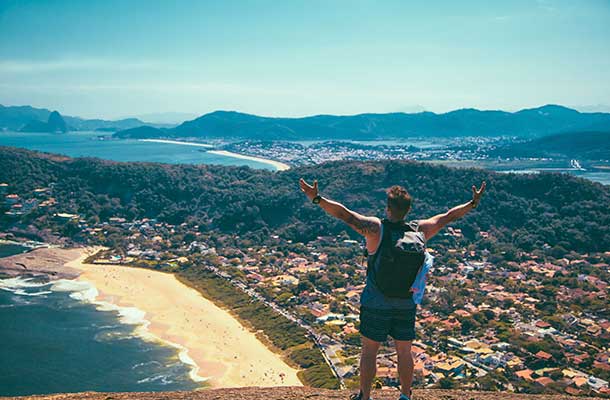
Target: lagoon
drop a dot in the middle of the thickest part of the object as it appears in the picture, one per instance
(97, 144)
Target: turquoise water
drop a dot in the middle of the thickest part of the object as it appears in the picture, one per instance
(87, 144)
(54, 339)
(9, 249)
(601, 177)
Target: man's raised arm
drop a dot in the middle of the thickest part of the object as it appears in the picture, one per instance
(366, 226)
(431, 226)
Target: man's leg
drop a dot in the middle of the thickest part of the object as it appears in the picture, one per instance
(368, 365)
(405, 365)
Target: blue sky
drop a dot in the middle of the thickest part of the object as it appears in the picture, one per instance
(291, 58)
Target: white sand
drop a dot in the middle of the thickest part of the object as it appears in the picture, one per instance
(280, 166)
(226, 352)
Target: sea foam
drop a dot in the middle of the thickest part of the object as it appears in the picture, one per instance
(87, 292)
(19, 285)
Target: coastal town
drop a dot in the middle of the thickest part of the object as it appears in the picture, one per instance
(306, 153)
(531, 322)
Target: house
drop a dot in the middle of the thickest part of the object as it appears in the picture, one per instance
(579, 381)
(284, 280)
(578, 358)
(542, 355)
(330, 317)
(66, 216)
(597, 383)
(254, 276)
(349, 328)
(451, 323)
(543, 324)
(462, 313)
(450, 367)
(387, 375)
(525, 374)
(601, 365)
(544, 381)
(11, 199)
(572, 391)
(317, 309)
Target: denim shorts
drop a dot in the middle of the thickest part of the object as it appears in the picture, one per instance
(377, 324)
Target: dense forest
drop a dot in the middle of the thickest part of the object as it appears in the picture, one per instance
(522, 211)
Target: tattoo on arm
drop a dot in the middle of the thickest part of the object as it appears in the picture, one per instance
(362, 225)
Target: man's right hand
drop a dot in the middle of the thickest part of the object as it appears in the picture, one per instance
(309, 190)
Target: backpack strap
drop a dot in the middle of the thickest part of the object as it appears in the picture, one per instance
(371, 264)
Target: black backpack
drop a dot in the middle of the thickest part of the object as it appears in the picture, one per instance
(398, 259)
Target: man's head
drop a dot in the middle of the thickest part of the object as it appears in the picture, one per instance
(399, 202)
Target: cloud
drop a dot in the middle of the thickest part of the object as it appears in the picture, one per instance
(546, 5)
(226, 88)
(36, 66)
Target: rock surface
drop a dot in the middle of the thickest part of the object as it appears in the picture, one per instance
(296, 393)
(49, 262)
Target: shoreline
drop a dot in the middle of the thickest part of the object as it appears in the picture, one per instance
(166, 141)
(220, 350)
(279, 166)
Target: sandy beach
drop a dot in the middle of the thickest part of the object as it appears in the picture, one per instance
(222, 349)
(280, 166)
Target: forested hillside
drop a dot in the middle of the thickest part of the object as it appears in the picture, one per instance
(581, 145)
(465, 122)
(519, 211)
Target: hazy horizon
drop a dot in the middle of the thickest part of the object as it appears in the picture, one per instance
(116, 59)
(170, 117)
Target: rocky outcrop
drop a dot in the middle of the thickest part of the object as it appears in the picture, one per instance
(297, 393)
(55, 124)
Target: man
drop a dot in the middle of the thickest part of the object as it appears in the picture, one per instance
(382, 315)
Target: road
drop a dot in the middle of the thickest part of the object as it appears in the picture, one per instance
(328, 352)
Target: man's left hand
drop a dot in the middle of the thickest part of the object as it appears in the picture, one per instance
(309, 190)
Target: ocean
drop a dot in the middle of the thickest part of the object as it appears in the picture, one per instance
(56, 339)
(88, 144)
(600, 177)
(9, 249)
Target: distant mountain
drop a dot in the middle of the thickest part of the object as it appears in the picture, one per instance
(174, 118)
(18, 118)
(527, 123)
(141, 132)
(94, 124)
(581, 145)
(55, 124)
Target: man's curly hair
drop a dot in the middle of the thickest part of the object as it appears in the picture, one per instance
(399, 200)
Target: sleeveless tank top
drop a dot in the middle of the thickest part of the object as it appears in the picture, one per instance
(373, 298)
